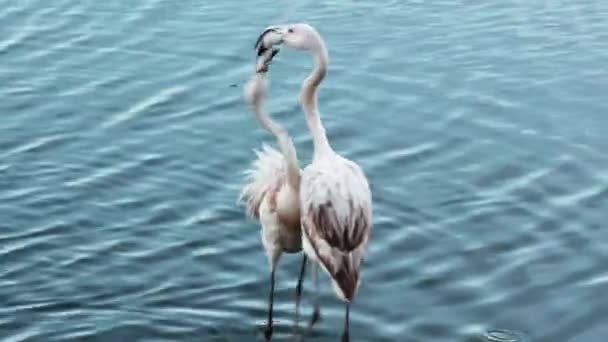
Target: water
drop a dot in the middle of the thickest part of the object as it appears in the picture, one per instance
(481, 125)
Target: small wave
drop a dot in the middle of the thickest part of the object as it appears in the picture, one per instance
(157, 99)
(37, 145)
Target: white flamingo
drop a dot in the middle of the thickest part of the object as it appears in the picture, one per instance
(271, 195)
(335, 199)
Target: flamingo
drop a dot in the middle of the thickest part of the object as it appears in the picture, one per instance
(335, 198)
(271, 194)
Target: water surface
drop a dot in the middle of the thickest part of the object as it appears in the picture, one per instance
(482, 128)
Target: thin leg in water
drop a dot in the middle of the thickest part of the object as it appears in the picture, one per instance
(345, 337)
(299, 287)
(316, 314)
(268, 332)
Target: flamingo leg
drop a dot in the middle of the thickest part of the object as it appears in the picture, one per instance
(299, 286)
(268, 332)
(316, 314)
(345, 336)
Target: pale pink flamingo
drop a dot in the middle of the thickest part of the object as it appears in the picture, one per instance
(271, 194)
(335, 198)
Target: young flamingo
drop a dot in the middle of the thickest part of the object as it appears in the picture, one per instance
(335, 198)
(271, 194)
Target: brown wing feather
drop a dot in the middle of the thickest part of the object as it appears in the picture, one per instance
(321, 223)
(345, 235)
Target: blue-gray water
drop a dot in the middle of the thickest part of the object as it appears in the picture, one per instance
(123, 138)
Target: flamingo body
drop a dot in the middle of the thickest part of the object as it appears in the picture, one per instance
(270, 200)
(336, 207)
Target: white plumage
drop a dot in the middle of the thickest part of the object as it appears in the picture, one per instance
(270, 200)
(267, 172)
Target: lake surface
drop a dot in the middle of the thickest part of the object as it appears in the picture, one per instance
(124, 136)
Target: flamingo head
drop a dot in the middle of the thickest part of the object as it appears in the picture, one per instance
(298, 36)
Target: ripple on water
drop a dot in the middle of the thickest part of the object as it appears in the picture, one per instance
(144, 105)
(502, 336)
(122, 147)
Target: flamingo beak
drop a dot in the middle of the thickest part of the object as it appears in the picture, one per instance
(272, 35)
(265, 59)
(264, 47)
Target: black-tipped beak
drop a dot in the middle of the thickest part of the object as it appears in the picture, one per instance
(268, 38)
(266, 60)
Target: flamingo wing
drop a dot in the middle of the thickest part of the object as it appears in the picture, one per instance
(336, 219)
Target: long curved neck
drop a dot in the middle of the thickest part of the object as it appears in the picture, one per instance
(308, 100)
(284, 140)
